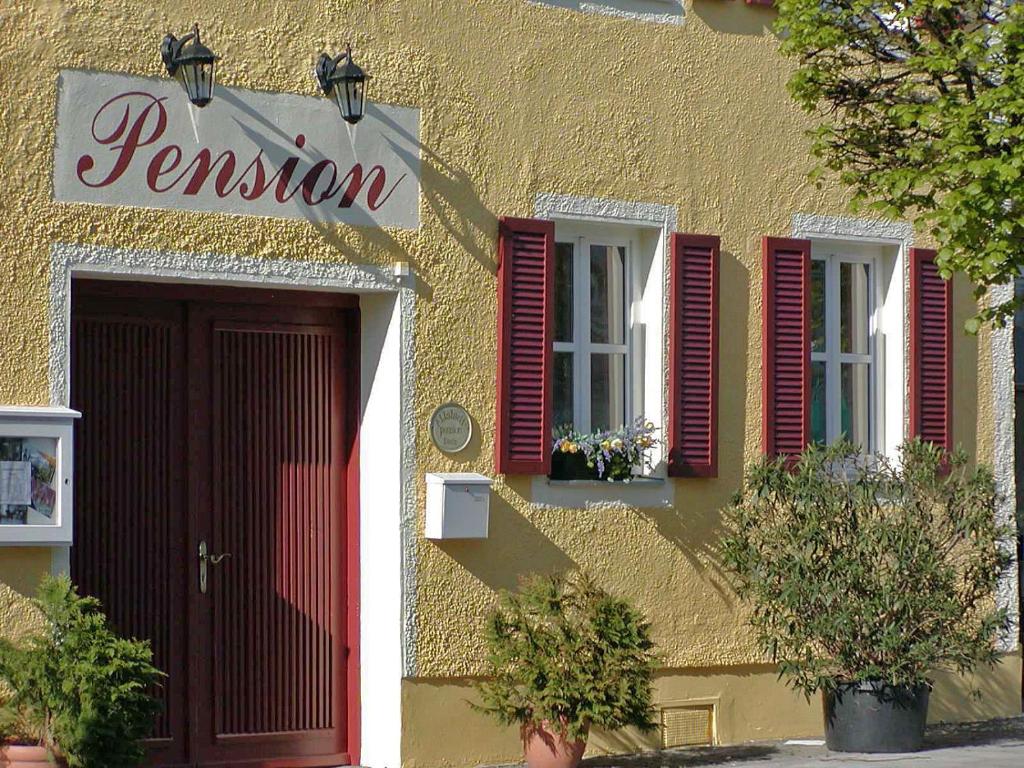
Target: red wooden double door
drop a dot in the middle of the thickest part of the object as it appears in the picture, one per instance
(213, 463)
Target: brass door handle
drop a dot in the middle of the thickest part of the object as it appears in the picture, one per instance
(205, 561)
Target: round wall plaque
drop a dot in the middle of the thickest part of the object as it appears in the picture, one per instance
(451, 428)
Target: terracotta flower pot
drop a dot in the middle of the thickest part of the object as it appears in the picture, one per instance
(14, 756)
(545, 747)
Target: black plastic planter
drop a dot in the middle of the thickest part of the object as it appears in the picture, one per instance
(875, 717)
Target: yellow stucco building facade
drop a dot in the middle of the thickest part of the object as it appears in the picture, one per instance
(621, 125)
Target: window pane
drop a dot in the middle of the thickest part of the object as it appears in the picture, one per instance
(819, 427)
(854, 308)
(607, 391)
(817, 306)
(856, 402)
(563, 413)
(1018, 335)
(607, 294)
(563, 291)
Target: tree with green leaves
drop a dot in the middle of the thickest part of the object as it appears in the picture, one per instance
(920, 111)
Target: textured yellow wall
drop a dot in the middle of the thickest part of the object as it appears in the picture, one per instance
(516, 100)
(752, 704)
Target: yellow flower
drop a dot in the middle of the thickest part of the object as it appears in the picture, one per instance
(648, 425)
(573, 447)
(563, 446)
(605, 445)
(617, 443)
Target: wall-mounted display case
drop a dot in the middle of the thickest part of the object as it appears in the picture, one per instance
(36, 462)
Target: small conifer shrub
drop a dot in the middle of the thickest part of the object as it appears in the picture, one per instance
(86, 692)
(564, 652)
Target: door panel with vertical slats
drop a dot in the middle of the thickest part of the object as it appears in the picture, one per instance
(126, 379)
(227, 423)
(277, 642)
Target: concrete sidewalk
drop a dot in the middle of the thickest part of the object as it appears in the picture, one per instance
(994, 744)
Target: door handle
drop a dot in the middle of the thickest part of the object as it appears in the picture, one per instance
(205, 561)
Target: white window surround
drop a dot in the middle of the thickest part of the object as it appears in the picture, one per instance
(887, 245)
(657, 11)
(648, 227)
(387, 568)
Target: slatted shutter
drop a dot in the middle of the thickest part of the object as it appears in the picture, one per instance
(693, 357)
(525, 327)
(786, 339)
(931, 349)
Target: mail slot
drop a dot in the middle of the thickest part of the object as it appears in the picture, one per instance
(458, 505)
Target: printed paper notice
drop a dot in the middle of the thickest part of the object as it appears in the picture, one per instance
(15, 482)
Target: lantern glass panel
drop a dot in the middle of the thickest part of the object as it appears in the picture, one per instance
(198, 79)
(349, 95)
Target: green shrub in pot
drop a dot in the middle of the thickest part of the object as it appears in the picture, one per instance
(564, 655)
(87, 692)
(869, 574)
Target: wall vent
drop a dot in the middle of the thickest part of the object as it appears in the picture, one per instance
(688, 726)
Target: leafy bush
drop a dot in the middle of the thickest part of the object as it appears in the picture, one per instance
(564, 651)
(86, 690)
(860, 571)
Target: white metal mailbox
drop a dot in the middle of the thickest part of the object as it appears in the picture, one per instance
(35, 475)
(458, 505)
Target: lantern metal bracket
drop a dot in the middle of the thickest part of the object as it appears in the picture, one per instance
(170, 48)
(326, 67)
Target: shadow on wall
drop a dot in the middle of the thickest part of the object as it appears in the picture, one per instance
(514, 547)
(966, 365)
(987, 693)
(735, 18)
(694, 524)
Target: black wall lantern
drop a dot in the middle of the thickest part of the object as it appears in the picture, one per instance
(193, 62)
(345, 81)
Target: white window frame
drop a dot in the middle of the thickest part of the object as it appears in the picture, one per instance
(582, 347)
(834, 358)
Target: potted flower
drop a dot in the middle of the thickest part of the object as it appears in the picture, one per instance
(20, 742)
(565, 656)
(82, 693)
(867, 576)
(612, 455)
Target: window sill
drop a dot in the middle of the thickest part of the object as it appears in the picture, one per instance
(635, 482)
(644, 492)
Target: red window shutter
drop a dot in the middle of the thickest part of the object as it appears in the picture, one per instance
(525, 328)
(693, 357)
(786, 339)
(931, 347)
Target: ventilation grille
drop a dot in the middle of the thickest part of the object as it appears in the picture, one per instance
(690, 726)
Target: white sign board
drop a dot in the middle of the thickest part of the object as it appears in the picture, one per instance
(134, 141)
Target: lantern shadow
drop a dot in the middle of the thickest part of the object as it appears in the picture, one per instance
(735, 18)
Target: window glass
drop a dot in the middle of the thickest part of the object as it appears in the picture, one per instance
(1018, 334)
(856, 403)
(854, 308)
(607, 391)
(817, 305)
(563, 291)
(819, 424)
(607, 294)
(563, 389)
(842, 367)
